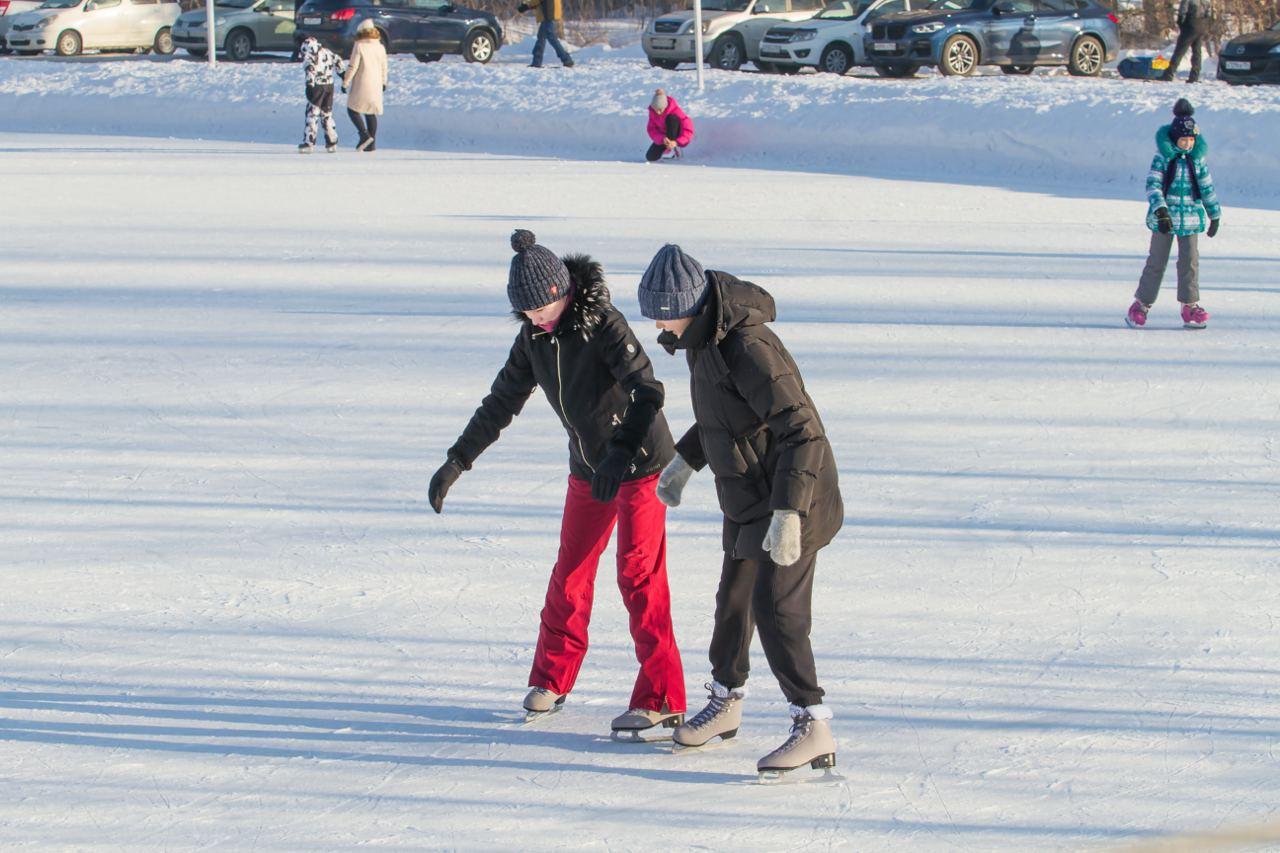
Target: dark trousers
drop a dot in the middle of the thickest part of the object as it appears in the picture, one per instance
(757, 594)
(547, 33)
(1193, 34)
(655, 151)
(366, 125)
(320, 111)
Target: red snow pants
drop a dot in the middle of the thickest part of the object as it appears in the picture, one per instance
(585, 531)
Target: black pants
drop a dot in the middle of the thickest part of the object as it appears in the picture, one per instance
(1193, 34)
(757, 594)
(655, 151)
(366, 125)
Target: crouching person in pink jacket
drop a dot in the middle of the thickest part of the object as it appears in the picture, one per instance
(669, 128)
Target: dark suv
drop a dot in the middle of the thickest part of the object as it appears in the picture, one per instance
(426, 28)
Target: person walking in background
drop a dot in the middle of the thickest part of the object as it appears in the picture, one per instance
(776, 480)
(1181, 202)
(1195, 21)
(366, 80)
(549, 13)
(320, 64)
(578, 348)
(669, 128)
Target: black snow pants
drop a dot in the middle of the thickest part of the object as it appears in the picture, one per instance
(1194, 34)
(777, 600)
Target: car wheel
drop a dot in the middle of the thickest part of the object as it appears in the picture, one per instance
(428, 57)
(959, 56)
(728, 53)
(1017, 69)
(163, 44)
(479, 47)
(239, 45)
(1087, 57)
(69, 43)
(669, 64)
(897, 69)
(836, 59)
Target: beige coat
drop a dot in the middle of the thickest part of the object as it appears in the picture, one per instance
(366, 76)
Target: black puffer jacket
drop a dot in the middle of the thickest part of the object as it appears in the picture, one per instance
(595, 375)
(756, 425)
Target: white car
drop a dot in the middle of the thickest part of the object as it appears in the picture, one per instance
(731, 31)
(70, 26)
(242, 27)
(832, 40)
(10, 9)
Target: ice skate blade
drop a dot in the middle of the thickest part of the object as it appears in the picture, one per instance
(715, 743)
(822, 762)
(638, 736)
(531, 717)
(1195, 326)
(788, 777)
(1131, 324)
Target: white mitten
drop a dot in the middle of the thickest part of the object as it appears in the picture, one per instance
(783, 539)
(672, 479)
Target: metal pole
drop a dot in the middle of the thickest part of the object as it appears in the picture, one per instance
(210, 38)
(697, 40)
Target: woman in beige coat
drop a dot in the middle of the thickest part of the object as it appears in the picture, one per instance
(365, 81)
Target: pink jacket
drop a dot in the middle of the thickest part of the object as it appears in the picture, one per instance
(658, 124)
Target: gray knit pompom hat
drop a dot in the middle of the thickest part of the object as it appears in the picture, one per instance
(673, 286)
(537, 276)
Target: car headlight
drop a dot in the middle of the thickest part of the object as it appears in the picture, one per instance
(803, 35)
(45, 21)
(925, 29)
(706, 25)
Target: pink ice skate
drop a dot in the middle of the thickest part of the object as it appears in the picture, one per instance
(1194, 317)
(1137, 316)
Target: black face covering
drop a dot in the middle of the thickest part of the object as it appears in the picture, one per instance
(698, 334)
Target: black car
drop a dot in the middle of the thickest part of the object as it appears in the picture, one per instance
(1251, 58)
(426, 28)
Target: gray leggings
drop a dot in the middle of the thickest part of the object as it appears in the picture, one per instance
(1158, 259)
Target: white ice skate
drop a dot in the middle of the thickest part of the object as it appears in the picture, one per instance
(541, 702)
(629, 727)
(718, 720)
(810, 743)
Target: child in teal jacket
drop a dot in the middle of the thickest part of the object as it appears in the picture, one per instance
(1181, 203)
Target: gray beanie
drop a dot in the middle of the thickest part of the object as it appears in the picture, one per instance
(673, 286)
(659, 102)
(537, 276)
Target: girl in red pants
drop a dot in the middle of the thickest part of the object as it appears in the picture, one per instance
(579, 349)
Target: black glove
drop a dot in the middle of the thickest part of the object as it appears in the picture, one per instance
(440, 482)
(384, 87)
(608, 477)
(1163, 221)
(1213, 227)
(344, 90)
(523, 7)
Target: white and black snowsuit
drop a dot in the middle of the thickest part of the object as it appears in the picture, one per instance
(320, 65)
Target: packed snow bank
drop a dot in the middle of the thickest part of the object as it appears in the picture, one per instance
(1050, 131)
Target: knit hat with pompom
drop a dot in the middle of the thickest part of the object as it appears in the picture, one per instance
(1183, 124)
(537, 277)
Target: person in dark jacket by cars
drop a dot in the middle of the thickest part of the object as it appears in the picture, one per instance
(1195, 25)
(579, 349)
(776, 481)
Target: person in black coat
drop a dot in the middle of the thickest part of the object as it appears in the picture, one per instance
(776, 480)
(578, 348)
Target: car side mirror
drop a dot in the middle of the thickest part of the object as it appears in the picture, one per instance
(448, 9)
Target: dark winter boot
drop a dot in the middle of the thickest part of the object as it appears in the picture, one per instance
(810, 743)
(720, 718)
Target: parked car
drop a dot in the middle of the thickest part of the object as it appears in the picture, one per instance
(9, 9)
(959, 35)
(426, 28)
(240, 26)
(70, 26)
(731, 31)
(1251, 58)
(832, 40)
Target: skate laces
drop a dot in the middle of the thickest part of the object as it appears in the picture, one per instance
(799, 731)
(716, 705)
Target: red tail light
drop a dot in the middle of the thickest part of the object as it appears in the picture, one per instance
(1113, 18)
(343, 15)
(4, 6)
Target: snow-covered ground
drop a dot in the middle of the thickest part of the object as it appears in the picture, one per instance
(229, 619)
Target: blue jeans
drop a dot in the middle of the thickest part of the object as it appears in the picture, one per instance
(547, 33)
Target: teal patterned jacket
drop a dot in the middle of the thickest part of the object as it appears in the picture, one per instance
(1189, 214)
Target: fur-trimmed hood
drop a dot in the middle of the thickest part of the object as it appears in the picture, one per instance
(1168, 150)
(589, 299)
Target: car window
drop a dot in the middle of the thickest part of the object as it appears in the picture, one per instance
(766, 6)
(890, 7)
(1018, 7)
(806, 5)
(101, 4)
(145, 2)
(958, 5)
(427, 4)
(277, 6)
(1059, 5)
(844, 10)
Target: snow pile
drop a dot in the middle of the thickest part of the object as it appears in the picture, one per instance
(1050, 130)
